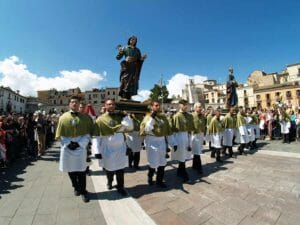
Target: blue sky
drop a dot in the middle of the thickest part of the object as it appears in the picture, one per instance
(199, 37)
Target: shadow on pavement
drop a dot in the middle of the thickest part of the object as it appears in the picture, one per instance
(9, 176)
(174, 182)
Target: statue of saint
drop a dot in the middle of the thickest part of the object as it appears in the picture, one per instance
(130, 68)
(231, 84)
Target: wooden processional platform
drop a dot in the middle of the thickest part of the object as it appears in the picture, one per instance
(132, 106)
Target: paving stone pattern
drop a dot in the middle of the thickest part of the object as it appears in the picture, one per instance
(37, 193)
(255, 189)
(247, 190)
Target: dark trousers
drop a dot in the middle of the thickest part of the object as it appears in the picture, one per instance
(229, 150)
(159, 176)
(134, 157)
(78, 180)
(214, 152)
(286, 138)
(181, 171)
(119, 175)
(197, 164)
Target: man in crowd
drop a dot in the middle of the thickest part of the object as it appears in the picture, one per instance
(183, 125)
(242, 130)
(215, 131)
(73, 131)
(229, 125)
(198, 136)
(134, 142)
(41, 133)
(155, 127)
(110, 128)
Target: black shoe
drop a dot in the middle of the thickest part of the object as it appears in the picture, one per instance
(76, 193)
(186, 180)
(88, 172)
(85, 198)
(150, 181)
(122, 192)
(137, 167)
(161, 185)
(185, 177)
(219, 160)
(109, 186)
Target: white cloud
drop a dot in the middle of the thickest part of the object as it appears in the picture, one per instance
(16, 75)
(177, 83)
(142, 95)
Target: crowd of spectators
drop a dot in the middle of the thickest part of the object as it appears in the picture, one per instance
(25, 136)
(31, 134)
(270, 126)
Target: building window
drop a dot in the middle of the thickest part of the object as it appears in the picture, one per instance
(212, 100)
(95, 102)
(108, 93)
(61, 102)
(90, 97)
(259, 105)
(113, 93)
(298, 93)
(245, 92)
(277, 93)
(268, 96)
(54, 102)
(288, 94)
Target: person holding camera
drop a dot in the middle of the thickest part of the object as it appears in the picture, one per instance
(74, 131)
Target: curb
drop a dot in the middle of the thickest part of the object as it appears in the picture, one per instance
(283, 154)
(117, 210)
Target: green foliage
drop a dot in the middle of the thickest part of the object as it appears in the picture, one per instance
(159, 93)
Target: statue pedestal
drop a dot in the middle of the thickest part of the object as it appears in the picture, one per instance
(132, 106)
(224, 111)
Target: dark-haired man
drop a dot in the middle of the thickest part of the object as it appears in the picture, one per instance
(183, 125)
(74, 130)
(155, 127)
(110, 128)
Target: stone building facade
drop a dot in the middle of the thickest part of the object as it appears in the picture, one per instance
(11, 101)
(54, 101)
(274, 88)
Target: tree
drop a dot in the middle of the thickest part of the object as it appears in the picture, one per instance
(159, 93)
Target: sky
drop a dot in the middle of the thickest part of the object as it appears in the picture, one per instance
(72, 43)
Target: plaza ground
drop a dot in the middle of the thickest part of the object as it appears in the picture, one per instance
(262, 187)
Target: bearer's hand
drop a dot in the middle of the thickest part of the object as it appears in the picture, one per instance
(98, 156)
(175, 148)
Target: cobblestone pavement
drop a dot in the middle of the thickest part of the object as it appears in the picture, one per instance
(38, 193)
(252, 189)
(258, 188)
